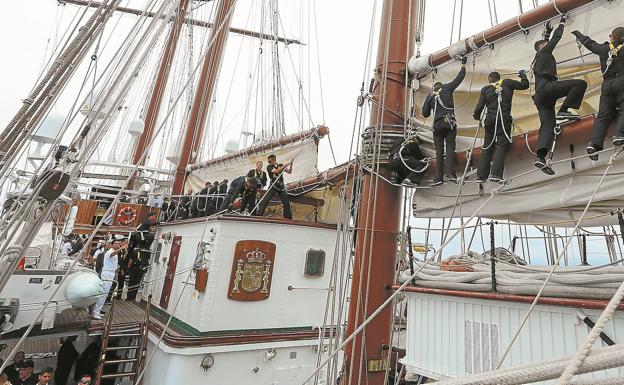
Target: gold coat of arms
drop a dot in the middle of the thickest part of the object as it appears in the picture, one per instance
(252, 269)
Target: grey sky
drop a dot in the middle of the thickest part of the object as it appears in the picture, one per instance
(343, 31)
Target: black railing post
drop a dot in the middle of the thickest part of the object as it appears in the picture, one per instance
(584, 250)
(493, 256)
(410, 253)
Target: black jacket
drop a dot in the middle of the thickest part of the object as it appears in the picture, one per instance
(260, 176)
(545, 64)
(602, 50)
(447, 105)
(410, 150)
(489, 98)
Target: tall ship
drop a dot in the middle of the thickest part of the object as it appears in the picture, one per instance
(175, 211)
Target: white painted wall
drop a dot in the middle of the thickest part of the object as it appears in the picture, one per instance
(292, 365)
(441, 334)
(213, 311)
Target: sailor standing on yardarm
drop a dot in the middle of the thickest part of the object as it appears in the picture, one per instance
(440, 101)
(497, 97)
(549, 89)
(611, 105)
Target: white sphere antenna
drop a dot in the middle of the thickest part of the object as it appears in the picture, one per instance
(136, 127)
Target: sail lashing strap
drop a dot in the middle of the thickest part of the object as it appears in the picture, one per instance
(525, 31)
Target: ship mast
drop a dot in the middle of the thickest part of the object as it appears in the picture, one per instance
(161, 82)
(380, 202)
(204, 92)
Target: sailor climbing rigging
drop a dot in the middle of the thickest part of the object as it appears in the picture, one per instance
(611, 104)
(549, 89)
(407, 162)
(496, 98)
(440, 101)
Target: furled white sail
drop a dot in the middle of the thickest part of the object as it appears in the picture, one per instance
(531, 196)
(304, 153)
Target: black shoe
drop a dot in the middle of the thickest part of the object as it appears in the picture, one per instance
(567, 115)
(437, 183)
(539, 163)
(618, 141)
(592, 152)
(407, 182)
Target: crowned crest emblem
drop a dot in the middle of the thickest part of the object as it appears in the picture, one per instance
(252, 269)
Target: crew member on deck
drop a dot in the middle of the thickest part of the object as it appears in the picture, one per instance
(184, 208)
(109, 269)
(275, 171)
(440, 101)
(202, 200)
(407, 162)
(12, 371)
(26, 375)
(223, 188)
(548, 89)
(212, 199)
(497, 97)
(611, 105)
(261, 177)
(243, 187)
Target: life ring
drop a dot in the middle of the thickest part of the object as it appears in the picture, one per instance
(126, 216)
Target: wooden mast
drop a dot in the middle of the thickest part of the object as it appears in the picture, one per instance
(161, 82)
(380, 203)
(204, 92)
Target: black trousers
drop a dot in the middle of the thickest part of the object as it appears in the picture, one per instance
(135, 277)
(611, 108)
(444, 137)
(403, 172)
(121, 282)
(496, 145)
(232, 194)
(264, 202)
(545, 100)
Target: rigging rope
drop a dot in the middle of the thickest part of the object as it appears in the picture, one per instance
(396, 292)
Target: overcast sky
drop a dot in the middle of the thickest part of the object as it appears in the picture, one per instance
(343, 29)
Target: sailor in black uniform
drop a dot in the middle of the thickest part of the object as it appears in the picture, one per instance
(276, 186)
(407, 162)
(261, 179)
(548, 89)
(611, 105)
(440, 101)
(497, 97)
(222, 191)
(211, 205)
(245, 188)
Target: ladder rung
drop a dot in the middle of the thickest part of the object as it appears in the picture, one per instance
(123, 361)
(126, 329)
(118, 375)
(124, 335)
(112, 348)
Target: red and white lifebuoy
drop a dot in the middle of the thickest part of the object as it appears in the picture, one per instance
(127, 216)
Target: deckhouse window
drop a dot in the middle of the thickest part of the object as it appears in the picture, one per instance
(315, 263)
